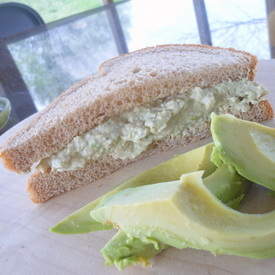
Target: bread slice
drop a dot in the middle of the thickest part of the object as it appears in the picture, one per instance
(120, 84)
(43, 186)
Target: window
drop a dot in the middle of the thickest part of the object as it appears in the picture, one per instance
(147, 23)
(52, 10)
(240, 25)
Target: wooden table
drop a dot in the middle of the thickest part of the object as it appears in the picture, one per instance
(26, 246)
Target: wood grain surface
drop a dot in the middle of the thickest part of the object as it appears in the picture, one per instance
(27, 247)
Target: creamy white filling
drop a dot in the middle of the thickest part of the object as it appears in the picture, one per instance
(129, 134)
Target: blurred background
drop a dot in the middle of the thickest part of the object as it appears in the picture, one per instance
(67, 39)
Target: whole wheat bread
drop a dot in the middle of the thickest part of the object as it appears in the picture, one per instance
(43, 186)
(120, 84)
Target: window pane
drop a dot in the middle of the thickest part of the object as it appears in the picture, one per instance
(51, 10)
(239, 24)
(148, 23)
(51, 61)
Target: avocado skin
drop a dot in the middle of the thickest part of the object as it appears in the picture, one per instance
(80, 222)
(224, 183)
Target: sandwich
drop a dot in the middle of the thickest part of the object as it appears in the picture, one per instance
(136, 105)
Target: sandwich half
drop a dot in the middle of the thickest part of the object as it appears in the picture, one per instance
(136, 105)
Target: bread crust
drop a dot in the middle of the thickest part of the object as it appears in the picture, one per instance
(43, 186)
(103, 96)
(253, 58)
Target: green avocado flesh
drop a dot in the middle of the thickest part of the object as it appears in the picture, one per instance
(199, 159)
(227, 185)
(123, 251)
(186, 214)
(247, 146)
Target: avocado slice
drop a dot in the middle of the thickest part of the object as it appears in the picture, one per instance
(123, 251)
(227, 185)
(248, 146)
(186, 214)
(199, 159)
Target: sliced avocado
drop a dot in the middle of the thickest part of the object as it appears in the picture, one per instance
(215, 157)
(248, 146)
(227, 185)
(132, 210)
(185, 213)
(199, 159)
(235, 203)
(123, 251)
